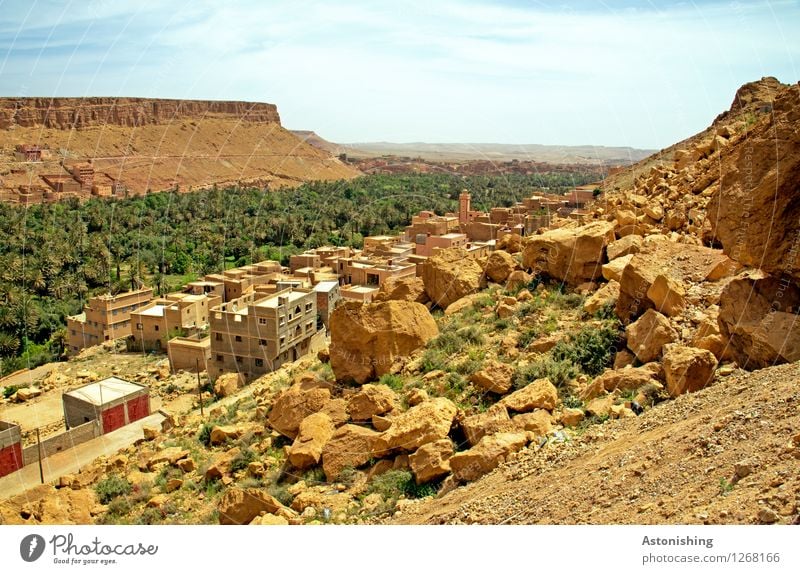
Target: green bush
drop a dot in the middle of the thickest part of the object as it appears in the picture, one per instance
(241, 460)
(394, 382)
(558, 372)
(433, 360)
(204, 436)
(392, 484)
(470, 335)
(110, 488)
(592, 348)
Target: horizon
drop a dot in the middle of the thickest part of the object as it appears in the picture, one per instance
(514, 72)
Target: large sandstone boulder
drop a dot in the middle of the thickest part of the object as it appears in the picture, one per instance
(371, 400)
(755, 211)
(612, 271)
(494, 377)
(573, 255)
(294, 405)
(314, 433)
(539, 422)
(518, 279)
(540, 394)
(431, 461)
(687, 369)
(424, 423)
(758, 317)
(606, 295)
(510, 242)
(648, 334)
(668, 295)
(495, 419)
(499, 266)
(450, 275)
(227, 384)
(241, 506)
(486, 455)
(402, 289)
(367, 339)
(622, 379)
(628, 245)
(350, 446)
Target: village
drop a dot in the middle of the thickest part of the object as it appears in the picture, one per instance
(248, 321)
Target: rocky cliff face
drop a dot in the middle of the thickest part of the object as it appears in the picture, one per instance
(69, 113)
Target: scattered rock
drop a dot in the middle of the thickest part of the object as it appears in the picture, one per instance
(494, 377)
(241, 506)
(431, 461)
(486, 455)
(499, 266)
(227, 384)
(416, 396)
(367, 339)
(294, 405)
(687, 369)
(427, 422)
(648, 335)
(371, 400)
(540, 394)
(607, 295)
(450, 275)
(571, 417)
(612, 270)
(351, 446)
(402, 289)
(539, 422)
(313, 435)
(668, 295)
(494, 419)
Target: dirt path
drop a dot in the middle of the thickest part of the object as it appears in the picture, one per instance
(674, 464)
(71, 461)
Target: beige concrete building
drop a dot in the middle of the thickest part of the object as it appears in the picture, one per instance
(189, 353)
(105, 318)
(177, 314)
(256, 334)
(372, 271)
(328, 297)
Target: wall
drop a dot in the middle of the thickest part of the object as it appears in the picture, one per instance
(61, 442)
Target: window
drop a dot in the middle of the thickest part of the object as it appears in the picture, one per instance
(114, 312)
(239, 359)
(138, 326)
(283, 340)
(262, 342)
(218, 336)
(308, 307)
(156, 327)
(297, 310)
(259, 362)
(219, 358)
(237, 318)
(238, 338)
(281, 322)
(262, 321)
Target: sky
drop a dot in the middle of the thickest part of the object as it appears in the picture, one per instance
(613, 72)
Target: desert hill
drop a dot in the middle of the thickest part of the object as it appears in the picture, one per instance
(154, 144)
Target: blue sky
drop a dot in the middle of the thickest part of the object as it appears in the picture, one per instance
(643, 74)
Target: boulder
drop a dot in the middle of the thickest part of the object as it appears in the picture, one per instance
(314, 433)
(227, 384)
(25, 394)
(540, 394)
(654, 211)
(499, 266)
(487, 455)
(241, 506)
(431, 461)
(628, 245)
(220, 465)
(416, 397)
(221, 434)
(612, 271)
(539, 422)
(367, 339)
(494, 419)
(510, 242)
(337, 411)
(402, 289)
(463, 304)
(687, 369)
(170, 455)
(648, 334)
(371, 400)
(427, 422)
(668, 295)
(573, 255)
(606, 295)
(623, 380)
(758, 317)
(351, 446)
(754, 211)
(518, 279)
(269, 520)
(494, 377)
(450, 275)
(601, 406)
(294, 405)
(571, 417)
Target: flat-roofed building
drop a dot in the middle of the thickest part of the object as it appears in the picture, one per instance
(373, 271)
(113, 402)
(177, 314)
(427, 245)
(328, 297)
(189, 353)
(255, 334)
(105, 318)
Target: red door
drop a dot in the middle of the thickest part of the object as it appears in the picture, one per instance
(10, 459)
(113, 418)
(138, 408)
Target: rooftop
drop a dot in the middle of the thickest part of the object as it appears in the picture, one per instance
(326, 286)
(105, 391)
(271, 302)
(154, 311)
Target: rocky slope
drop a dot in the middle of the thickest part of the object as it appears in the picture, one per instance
(152, 144)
